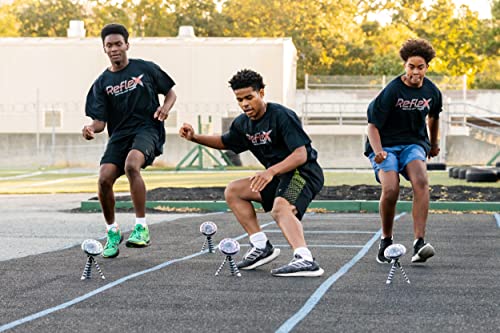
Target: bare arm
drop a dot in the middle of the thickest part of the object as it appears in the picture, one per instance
(213, 141)
(162, 111)
(433, 133)
(292, 162)
(376, 143)
(96, 126)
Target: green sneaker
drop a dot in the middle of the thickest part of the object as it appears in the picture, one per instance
(115, 237)
(139, 237)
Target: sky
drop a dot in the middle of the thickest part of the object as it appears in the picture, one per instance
(480, 6)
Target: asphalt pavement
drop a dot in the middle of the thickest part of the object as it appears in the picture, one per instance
(171, 286)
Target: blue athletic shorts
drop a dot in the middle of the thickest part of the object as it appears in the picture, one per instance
(397, 159)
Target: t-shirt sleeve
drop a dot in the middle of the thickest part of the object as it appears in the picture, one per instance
(292, 132)
(162, 81)
(234, 140)
(380, 107)
(95, 105)
(437, 107)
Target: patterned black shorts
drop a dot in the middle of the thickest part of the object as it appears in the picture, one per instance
(292, 186)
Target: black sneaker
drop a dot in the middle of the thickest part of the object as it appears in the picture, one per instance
(299, 267)
(257, 257)
(384, 243)
(422, 251)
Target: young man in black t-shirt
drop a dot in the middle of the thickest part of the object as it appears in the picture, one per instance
(290, 181)
(398, 142)
(124, 98)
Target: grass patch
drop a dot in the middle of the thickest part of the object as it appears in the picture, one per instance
(51, 181)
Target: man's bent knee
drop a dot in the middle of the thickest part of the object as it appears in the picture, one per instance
(132, 168)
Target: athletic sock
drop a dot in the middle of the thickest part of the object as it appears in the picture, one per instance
(259, 240)
(416, 241)
(114, 225)
(304, 253)
(141, 221)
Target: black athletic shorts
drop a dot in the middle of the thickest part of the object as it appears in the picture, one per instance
(145, 140)
(295, 188)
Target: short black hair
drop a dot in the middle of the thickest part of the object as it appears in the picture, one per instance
(114, 28)
(417, 47)
(247, 78)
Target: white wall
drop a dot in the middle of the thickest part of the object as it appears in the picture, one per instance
(56, 73)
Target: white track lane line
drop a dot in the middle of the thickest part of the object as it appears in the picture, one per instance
(82, 298)
(288, 325)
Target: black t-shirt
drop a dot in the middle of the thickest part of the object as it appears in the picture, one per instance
(273, 138)
(399, 113)
(127, 100)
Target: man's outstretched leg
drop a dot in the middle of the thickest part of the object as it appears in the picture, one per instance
(239, 198)
(108, 174)
(140, 235)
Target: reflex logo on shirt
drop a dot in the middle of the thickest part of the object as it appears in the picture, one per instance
(125, 86)
(261, 138)
(419, 104)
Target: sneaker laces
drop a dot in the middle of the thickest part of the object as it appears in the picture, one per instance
(299, 262)
(113, 239)
(253, 253)
(137, 233)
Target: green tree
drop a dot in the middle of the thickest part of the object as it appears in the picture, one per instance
(323, 31)
(456, 38)
(47, 18)
(102, 12)
(9, 24)
(383, 49)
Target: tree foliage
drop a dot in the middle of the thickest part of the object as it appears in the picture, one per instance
(331, 36)
(46, 18)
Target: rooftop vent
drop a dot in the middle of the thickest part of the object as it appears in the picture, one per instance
(76, 29)
(186, 31)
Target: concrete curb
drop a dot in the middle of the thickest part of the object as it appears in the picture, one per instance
(328, 205)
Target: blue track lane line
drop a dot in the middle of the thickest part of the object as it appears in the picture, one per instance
(106, 287)
(497, 217)
(288, 325)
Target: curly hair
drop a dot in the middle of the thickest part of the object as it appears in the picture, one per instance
(114, 28)
(417, 47)
(247, 78)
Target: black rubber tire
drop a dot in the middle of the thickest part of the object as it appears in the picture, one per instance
(461, 173)
(450, 172)
(233, 157)
(454, 174)
(436, 166)
(481, 175)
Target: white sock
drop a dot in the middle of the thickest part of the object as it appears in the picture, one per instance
(415, 241)
(259, 240)
(114, 225)
(304, 253)
(141, 221)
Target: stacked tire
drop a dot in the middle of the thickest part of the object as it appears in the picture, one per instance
(436, 166)
(481, 175)
(475, 174)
